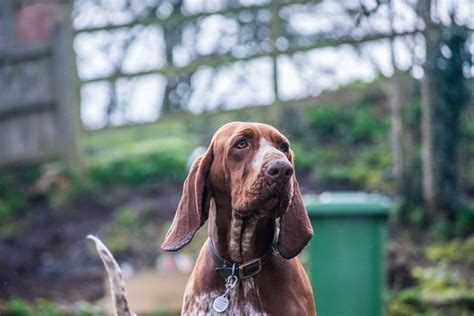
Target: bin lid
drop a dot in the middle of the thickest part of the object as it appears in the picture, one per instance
(347, 204)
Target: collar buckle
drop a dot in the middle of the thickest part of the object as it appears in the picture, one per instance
(250, 268)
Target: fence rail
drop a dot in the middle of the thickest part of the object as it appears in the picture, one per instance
(218, 61)
(19, 55)
(179, 17)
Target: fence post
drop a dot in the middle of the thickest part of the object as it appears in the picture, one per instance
(6, 16)
(67, 93)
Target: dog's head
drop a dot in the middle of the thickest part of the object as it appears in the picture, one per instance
(252, 166)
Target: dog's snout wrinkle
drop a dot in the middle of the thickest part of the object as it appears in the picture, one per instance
(265, 151)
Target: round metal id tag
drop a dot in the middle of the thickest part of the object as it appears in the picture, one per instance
(221, 303)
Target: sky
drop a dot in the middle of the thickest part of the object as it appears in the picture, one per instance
(243, 83)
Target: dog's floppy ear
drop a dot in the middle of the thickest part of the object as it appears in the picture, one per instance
(295, 227)
(193, 209)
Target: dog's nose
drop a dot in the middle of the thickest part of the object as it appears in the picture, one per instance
(279, 170)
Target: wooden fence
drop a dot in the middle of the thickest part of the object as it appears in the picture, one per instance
(273, 7)
(39, 107)
(39, 95)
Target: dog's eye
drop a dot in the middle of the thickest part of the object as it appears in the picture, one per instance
(284, 147)
(242, 144)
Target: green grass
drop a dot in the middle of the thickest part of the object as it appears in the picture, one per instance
(443, 282)
(138, 162)
(13, 198)
(42, 307)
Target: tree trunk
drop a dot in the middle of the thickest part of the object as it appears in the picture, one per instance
(396, 128)
(431, 36)
(427, 144)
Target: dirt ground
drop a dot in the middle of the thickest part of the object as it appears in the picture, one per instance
(49, 257)
(149, 291)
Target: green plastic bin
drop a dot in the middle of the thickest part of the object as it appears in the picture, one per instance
(347, 252)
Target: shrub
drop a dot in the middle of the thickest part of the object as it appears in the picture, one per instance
(328, 121)
(454, 252)
(304, 160)
(125, 217)
(371, 168)
(331, 164)
(138, 163)
(12, 190)
(465, 220)
(48, 308)
(87, 309)
(18, 307)
(12, 201)
(411, 114)
(367, 127)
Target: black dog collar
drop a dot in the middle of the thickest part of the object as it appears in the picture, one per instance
(226, 268)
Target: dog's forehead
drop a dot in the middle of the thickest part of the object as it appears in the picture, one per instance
(257, 129)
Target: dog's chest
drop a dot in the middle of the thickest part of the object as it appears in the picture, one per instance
(244, 299)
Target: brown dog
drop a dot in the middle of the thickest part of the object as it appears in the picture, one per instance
(245, 185)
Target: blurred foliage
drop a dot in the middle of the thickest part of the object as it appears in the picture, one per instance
(451, 95)
(465, 219)
(131, 229)
(303, 160)
(367, 125)
(87, 309)
(410, 211)
(332, 141)
(13, 200)
(331, 165)
(466, 175)
(13, 197)
(339, 140)
(125, 226)
(398, 308)
(140, 162)
(350, 143)
(455, 251)
(42, 307)
(444, 284)
(19, 307)
(348, 125)
(165, 313)
(372, 168)
(329, 121)
(438, 280)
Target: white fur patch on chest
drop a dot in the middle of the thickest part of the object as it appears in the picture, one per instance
(264, 148)
(200, 304)
(240, 299)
